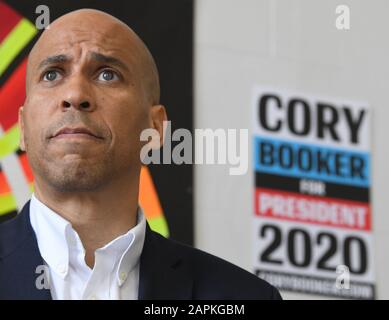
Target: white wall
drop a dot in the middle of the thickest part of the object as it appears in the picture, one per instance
(294, 45)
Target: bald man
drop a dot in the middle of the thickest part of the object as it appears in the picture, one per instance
(92, 86)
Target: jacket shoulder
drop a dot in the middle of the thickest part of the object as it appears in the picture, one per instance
(216, 278)
(14, 232)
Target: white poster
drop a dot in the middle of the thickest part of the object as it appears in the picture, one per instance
(312, 214)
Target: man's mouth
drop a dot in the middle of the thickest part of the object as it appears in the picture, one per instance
(79, 132)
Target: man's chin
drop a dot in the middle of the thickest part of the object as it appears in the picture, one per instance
(77, 179)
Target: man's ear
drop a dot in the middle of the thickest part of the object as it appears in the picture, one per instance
(21, 129)
(157, 118)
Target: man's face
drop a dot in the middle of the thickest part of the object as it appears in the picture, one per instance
(87, 77)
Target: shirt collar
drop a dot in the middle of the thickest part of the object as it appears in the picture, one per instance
(50, 230)
(54, 234)
(131, 248)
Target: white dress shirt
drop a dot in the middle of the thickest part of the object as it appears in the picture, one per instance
(115, 275)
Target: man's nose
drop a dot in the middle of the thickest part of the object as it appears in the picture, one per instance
(84, 105)
(77, 95)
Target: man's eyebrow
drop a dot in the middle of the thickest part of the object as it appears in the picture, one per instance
(61, 58)
(109, 60)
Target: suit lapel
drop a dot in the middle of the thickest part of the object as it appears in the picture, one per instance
(19, 259)
(162, 270)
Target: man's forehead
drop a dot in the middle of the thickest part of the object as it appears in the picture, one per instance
(57, 41)
(110, 34)
(87, 49)
(92, 45)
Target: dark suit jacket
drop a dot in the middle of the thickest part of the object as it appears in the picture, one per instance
(168, 270)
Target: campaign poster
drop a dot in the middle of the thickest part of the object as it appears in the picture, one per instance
(312, 214)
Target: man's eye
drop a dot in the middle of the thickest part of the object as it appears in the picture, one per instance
(51, 75)
(108, 75)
